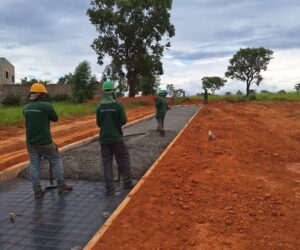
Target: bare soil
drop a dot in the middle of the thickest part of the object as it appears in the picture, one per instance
(239, 191)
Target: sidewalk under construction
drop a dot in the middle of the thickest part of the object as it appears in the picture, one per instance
(69, 220)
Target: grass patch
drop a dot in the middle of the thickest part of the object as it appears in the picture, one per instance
(14, 115)
(260, 97)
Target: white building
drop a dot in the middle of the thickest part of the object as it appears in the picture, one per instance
(7, 72)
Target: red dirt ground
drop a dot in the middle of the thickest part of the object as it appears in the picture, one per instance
(66, 131)
(239, 191)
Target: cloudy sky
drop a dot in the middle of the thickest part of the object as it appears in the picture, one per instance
(47, 39)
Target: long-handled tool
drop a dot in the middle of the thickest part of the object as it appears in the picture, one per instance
(51, 186)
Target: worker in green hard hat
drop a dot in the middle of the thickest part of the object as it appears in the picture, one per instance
(110, 116)
(161, 105)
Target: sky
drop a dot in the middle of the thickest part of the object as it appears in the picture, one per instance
(48, 39)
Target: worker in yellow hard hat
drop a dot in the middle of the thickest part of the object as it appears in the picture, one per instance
(38, 114)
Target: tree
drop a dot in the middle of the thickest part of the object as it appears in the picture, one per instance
(148, 85)
(213, 83)
(66, 79)
(131, 33)
(25, 80)
(228, 93)
(247, 64)
(83, 83)
(297, 87)
(239, 92)
(172, 91)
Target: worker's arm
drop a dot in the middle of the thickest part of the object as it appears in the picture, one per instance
(98, 112)
(123, 118)
(158, 103)
(52, 114)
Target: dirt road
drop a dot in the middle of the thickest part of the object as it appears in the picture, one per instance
(66, 131)
(239, 191)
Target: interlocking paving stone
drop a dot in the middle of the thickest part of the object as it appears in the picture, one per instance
(56, 221)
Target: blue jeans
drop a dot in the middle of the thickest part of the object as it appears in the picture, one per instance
(49, 152)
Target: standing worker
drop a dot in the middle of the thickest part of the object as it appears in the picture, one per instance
(205, 96)
(38, 114)
(161, 105)
(111, 117)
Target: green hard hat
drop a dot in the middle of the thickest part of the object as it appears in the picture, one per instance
(161, 92)
(108, 85)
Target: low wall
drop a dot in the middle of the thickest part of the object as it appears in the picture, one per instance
(23, 90)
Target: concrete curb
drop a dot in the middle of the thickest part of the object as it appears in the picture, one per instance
(13, 171)
(120, 208)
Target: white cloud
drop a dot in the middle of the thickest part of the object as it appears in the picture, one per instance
(47, 40)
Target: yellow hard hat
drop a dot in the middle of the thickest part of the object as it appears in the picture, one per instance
(38, 88)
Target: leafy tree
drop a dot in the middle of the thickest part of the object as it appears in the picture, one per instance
(148, 85)
(239, 92)
(66, 79)
(172, 91)
(25, 80)
(228, 93)
(213, 83)
(297, 87)
(132, 34)
(282, 91)
(265, 92)
(247, 64)
(112, 73)
(83, 83)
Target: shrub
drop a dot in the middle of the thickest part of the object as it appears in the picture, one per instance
(282, 92)
(228, 93)
(12, 100)
(252, 97)
(265, 92)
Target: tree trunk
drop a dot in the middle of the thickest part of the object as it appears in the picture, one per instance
(131, 83)
(248, 89)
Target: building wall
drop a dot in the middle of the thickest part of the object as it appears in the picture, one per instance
(23, 90)
(7, 72)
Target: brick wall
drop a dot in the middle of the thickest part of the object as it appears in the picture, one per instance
(23, 90)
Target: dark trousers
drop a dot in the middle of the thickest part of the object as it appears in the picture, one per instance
(160, 124)
(120, 151)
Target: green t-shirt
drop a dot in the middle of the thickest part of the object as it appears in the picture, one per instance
(161, 105)
(38, 115)
(110, 118)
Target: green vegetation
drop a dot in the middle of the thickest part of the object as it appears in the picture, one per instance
(247, 64)
(134, 34)
(14, 115)
(288, 96)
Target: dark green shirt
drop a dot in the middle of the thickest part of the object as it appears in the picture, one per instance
(38, 115)
(110, 118)
(161, 105)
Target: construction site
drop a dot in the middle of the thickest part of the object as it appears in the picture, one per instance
(225, 176)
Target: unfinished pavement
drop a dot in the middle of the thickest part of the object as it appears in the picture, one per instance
(69, 220)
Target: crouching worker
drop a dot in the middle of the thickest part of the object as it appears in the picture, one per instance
(38, 115)
(161, 105)
(111, 117)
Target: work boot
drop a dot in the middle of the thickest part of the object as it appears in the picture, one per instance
(162, 133)
(64, 187)
(112, 193)
(39, 194)
(128, 185)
